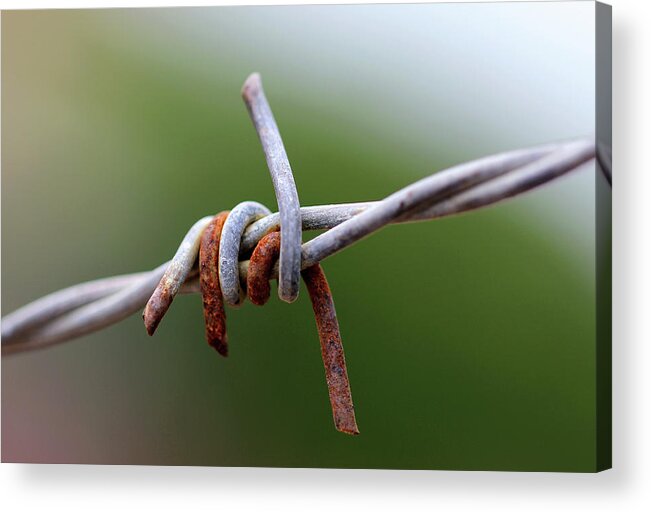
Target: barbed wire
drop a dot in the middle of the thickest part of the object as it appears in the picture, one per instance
(272, 242)
(88, 307)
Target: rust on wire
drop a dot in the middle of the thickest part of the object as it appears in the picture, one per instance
(332, 349)
(211, 293)
(82, 309)
(221, 241)
(260, 266)
(175, 274)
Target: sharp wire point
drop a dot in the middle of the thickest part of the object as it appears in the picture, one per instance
(332, 350)
(174, 276)
(88, 307)
(284, 186)
(223, 242)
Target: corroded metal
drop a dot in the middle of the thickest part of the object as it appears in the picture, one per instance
(332, 350)
(46, 322)
(262, 260)
(175, 274)
(211, 294)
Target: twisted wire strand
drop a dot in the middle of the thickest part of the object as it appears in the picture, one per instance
(457, 178)
(58, 303)
(88, 307)
(426, 194)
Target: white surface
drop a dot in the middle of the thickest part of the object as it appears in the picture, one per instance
(626, 487)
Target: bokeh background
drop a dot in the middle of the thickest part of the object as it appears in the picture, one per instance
(470, 340)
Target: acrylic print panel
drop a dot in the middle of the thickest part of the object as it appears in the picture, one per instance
(476, 340)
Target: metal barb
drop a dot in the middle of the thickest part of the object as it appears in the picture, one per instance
(175, 275)
(261, 263)
(220, 242)
(211, 293)
(284, 186)
(88, 307)
(332, 350)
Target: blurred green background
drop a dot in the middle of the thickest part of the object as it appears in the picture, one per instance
(470, 340)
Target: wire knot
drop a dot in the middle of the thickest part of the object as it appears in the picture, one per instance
(273, 244)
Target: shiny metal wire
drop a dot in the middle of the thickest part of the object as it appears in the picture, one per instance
(229, 248)
(88, 307)
(284, 187)
(174, 276)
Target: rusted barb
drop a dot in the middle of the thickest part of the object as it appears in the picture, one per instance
(213, 303)
(176, 272)
(159, 301)
(260, 265)
(332, 350)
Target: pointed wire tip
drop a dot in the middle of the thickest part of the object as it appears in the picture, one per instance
(220, 347)
(354, 431)
(252, 85)
(156, 308)
(150, 323)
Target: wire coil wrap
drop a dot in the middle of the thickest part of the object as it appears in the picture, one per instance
(221, 244)
(229, 248)
(88, 307)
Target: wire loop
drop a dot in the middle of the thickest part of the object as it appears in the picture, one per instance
(229, 248)
(87, 307)
(261, 263)
(221, 241)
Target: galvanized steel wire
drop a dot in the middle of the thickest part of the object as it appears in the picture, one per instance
(88, 307)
